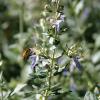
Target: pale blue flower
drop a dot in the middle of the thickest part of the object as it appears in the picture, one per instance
(57, 25)
(85, 14)
(72, 66)
(62, 17)
(64, 72)
(73, 86)
(34, 60)
(77, 63)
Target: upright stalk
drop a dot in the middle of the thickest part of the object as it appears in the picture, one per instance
(21, 19)
(50, 77)
(1, 88)
(52, 64)
(21, 25)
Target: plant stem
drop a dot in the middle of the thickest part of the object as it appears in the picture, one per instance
(21, 25)
(1, 94)
(21, 19)
(51, 70)
(58, 2)
(46, 95)
(1, 89)
(50, 76)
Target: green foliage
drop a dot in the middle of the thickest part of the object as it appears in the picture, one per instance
(65, 35)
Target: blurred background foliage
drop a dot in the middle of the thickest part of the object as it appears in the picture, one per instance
(20, 28)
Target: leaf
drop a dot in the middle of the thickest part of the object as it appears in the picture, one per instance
(18, 88)
(97, 41)
(96, 57)
(1, 75)
(90, 96)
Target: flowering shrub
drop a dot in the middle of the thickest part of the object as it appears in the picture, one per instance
(46, 65)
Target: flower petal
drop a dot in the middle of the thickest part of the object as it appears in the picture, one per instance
(64, 72)
(34, 59)
(78, 65)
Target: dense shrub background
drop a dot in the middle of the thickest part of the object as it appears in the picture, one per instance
(21, 26)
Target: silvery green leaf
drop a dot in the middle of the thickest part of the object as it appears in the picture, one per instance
(96, 57)
(96, 91)
(61, 61)
(97, 41)
(51, 40)
(18, 88)
(1, 75)
(79, 6)
(52, 47)
(90, 96)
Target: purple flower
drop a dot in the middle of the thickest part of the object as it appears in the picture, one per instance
(64, 72)
(73, 86)
(62, 17)
(77, 63)
(57, 25)
(85, 14)
(72, 66)
(33, 59)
